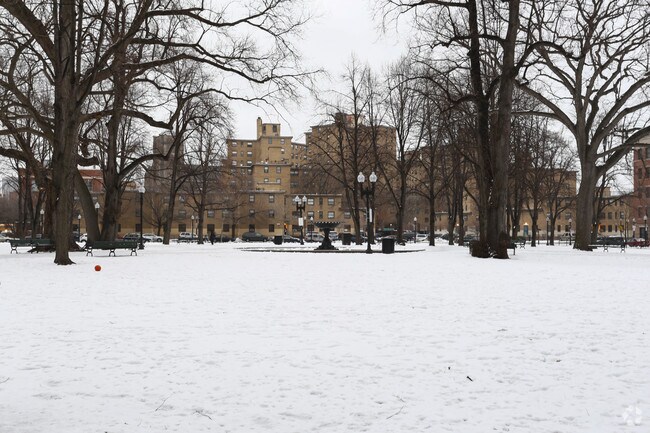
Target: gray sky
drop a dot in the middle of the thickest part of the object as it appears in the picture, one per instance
(339, 30)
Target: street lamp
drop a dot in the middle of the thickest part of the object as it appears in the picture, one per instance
(415, 229)
(368, 193)
(570, 222)
(192, 232)
(300, 206)
(548, 230)
(141, 190)
(42, 222)
(645, 223)
(633, 228)
(78, 226)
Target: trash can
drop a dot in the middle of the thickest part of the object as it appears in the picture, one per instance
(388, 245)
(347, 238)
(277, 239)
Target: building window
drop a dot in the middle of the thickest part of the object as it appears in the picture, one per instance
(347, 215)
(249, 154)
(225, 214)
(210, 228)
(271, 228)
(234, 163)
(278, 181)
(263, 129)
(294, 184)
(182, 214)
(310, 201)
(320, 214)
(310, 214)
(266, 169)
(330, 201)
(271, 213)
(275, 128)
(210, 213)
(278, 169)
(137, 227)
(249, 171)
(330, 215)
(182, 227)
(249, 144)
(609, 228)
(609, 216)
(251, 227)
(249, 162)
(266, 180)
(282, 142)
(251, 198)
(271, 198)
(225, 228)
(270, 140)
(251, 213)
(234, 153)
(282, 150)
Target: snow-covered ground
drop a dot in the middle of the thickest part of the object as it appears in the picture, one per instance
(191, 338)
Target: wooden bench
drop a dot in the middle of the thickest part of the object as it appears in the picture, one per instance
(18, 243)
(111, 246)
(42, 245)
(606, 246)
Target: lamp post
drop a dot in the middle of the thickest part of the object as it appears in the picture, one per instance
(415, 229)
(548, 230)
(300, 206)
(645, 223)
(42, 212)
(570, 223)
(141, 190)
(192, 232)
(368, 193)
(78, 226)
(633, 228)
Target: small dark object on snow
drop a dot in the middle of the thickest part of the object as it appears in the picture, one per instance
(470, 379)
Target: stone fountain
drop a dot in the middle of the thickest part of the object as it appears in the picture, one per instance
(326, 227)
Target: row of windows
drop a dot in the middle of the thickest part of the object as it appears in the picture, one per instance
(640, 153)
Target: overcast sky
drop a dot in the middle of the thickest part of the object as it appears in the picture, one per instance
(339, 29)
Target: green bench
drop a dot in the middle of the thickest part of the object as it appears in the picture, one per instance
(111, 246)
(35, 245)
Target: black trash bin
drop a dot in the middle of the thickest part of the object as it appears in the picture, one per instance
(347, 238)
(277, 240)
(388, 245)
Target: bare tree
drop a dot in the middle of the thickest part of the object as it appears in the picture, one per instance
(592, 79)
(78, 46)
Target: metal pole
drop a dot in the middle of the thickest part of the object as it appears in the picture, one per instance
(141, 247)
(366, 192)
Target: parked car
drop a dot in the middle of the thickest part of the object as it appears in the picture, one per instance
(185, 237)
(150, 237)
(131, 237)
(253, 237)
(314, 237)
(222, 238)
(421, 237)
(289, 239)
(334, 236)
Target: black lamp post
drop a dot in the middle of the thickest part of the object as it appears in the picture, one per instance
(415, 229)
(368, 193)
(141, 190)
(192, 232)
(570, 222)
(633, 228)
(300, 206)
(645, 223)
(78, 226)
(42, 212)
(548, 230)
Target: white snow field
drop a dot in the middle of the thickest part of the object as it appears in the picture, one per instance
(212, 338)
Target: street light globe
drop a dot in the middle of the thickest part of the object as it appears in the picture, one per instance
(373, 177)
(296, 200)
(304, 199)
(415, 219)
(79, 217)
(97, 206)
(192, 217)
(42, 212)
(141, 189)
(361, 178)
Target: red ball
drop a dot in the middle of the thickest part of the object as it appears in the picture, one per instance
(98, 268)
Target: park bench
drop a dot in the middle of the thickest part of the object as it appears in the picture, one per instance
(18, 243)
(606, 246)
(111, 246)
(35, 245)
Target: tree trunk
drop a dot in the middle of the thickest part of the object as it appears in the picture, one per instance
(585, 206)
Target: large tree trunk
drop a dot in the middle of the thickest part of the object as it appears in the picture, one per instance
(88, 206)
(585, 206)
(65, 145)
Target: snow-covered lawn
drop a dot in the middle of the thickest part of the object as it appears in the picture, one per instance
(191, 338)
